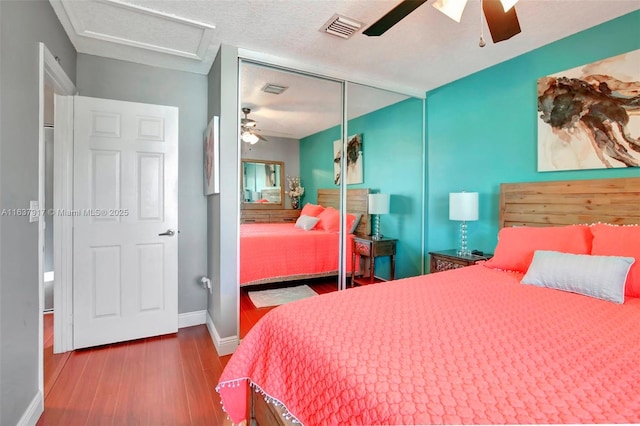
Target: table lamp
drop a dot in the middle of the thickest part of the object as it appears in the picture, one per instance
(378, 204)
(463, 206)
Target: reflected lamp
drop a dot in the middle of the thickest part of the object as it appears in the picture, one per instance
(378, 204)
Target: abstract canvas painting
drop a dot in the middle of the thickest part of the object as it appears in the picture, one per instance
(354, 160)
(211, 157)
(589, 116)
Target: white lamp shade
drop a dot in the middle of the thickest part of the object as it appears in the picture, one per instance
(463, 206)
(378, 203)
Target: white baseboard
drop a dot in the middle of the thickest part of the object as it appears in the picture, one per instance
(225, 346)
(189, 319)
(33, 411)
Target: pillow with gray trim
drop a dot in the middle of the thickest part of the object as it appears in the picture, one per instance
(306, 222)
(602, 277)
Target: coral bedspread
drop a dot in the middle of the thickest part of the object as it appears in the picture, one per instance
(465, 346)
(276, 250)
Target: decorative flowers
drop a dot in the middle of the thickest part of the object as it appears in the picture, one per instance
(295, 190)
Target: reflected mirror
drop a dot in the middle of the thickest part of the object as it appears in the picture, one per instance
(262, 184)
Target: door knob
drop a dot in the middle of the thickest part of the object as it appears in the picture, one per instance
(168, 233)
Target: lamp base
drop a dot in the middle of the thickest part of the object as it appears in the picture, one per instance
(463, 250)
(377, 235)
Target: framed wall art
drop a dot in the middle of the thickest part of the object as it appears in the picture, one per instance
(589, 116)
(212, 157)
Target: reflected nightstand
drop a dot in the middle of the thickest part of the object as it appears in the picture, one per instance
(445, 260)
(366, 246)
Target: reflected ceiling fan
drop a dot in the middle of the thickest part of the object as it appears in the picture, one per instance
(500, 15)
(248, 131)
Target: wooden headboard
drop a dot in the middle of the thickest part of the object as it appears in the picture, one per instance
(571, 201)
(357, 202)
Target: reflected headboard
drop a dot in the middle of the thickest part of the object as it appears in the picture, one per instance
(357, 202)
(569, 202)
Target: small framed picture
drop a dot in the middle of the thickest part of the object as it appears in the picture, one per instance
(212, 157)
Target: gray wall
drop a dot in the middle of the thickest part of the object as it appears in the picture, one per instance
(224, 208)
(286, 150)
(126, 81)
(22, 25)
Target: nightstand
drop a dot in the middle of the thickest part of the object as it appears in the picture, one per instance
(450, 259)
(366, 246)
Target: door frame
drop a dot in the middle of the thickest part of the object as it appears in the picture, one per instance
(50, 73)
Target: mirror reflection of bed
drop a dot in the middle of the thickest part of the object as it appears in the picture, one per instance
(281, 255)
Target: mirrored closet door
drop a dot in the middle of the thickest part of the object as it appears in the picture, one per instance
(289, 123)
(319, 156)
(385, 160)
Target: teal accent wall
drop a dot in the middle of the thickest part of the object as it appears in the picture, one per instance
(392, 161)
(482, 130)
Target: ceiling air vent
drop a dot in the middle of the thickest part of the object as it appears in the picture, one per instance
(341, 26)
(274, 88)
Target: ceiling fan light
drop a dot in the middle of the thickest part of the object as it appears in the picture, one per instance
(452, 8)
(249, 137)
(508, 4)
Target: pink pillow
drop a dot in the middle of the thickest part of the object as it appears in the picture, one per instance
(329, 220)
(516, 246)
(312, 210)
(611, 240)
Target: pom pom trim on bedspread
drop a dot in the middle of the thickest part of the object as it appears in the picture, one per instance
(268, 398)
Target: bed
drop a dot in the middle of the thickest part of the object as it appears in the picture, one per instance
(278, 252)
(471, 345)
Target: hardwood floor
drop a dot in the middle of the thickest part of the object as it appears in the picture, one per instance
(164, 380)
(53, 363)
(249, 314)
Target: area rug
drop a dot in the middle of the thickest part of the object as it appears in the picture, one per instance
(280, 296)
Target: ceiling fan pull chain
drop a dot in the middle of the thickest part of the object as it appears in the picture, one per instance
(482, 43)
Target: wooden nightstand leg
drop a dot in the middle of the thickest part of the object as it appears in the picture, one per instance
(353, 268)
(393, 266)
(372, 262)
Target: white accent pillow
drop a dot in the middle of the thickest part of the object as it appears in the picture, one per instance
(306, 222)
(602, 277)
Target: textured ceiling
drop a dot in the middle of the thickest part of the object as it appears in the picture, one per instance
(424, 51)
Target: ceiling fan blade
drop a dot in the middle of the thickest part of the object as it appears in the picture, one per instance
(502, 25)
(262, 138)
(392, 17)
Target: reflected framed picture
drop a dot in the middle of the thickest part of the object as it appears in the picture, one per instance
(212, 157)
(354, 160)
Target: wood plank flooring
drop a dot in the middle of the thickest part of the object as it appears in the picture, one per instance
(53, 363)
(249, 314)
(164, 380)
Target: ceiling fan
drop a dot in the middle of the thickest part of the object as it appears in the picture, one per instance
(248, 129)
(500, 15)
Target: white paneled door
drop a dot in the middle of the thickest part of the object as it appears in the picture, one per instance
(125, 237)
